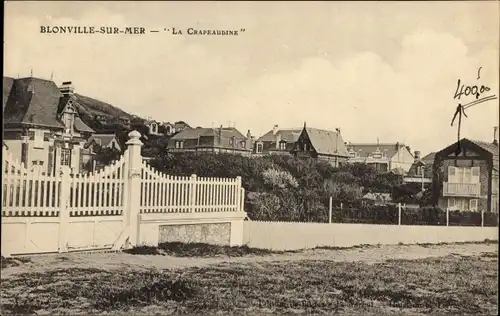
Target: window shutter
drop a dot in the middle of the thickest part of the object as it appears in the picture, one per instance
(473, 205)
(475, 175)
(451, 174)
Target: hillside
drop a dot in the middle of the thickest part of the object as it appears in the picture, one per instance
(90, 106)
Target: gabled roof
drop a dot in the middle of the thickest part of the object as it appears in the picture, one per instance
(489, 148)
(103, 139)
(326, 142)
(364, 150)
(290, 135)
(33, 100)
(194, 133)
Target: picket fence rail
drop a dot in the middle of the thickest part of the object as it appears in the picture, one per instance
(126, 188)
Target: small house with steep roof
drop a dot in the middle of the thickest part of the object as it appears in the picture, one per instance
(277, 141)
(321, 144)
(467, 180)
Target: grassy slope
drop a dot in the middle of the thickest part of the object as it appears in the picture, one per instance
(438, 286)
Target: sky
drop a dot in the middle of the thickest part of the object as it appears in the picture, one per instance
(386, 70)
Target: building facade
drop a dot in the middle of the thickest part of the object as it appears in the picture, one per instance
(467, 181)
(42, 127)
(218, 140)
(277, 141)
(383, 157)
(321, 144)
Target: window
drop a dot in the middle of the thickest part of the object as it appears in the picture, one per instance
(65, 157)
(352, 154)
(243, 144)
(473, 205)
(305, 147)
(179, 144)
(463, 175)
(259, 148)
(39, 135)
(230, 141)
(282, 145)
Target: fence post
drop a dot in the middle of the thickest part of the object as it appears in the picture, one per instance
(447, 217)
(399, 213)
(238, 194)
(330, 210)
(482, 218)
(192, 195)
(63, 210)
(341, 205)
(242, 199)
(134, 186)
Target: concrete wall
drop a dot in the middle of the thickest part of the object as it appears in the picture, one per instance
(292, 236)
(22, 235)
(213, 228)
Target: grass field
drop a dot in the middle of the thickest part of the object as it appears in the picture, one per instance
(450, 285)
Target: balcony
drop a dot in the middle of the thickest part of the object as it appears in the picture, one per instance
(461, 189)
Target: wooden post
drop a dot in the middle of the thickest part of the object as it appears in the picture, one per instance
(133, 195)
(63, 210)
(330, 210)
(482, 218)
(447, 217)
(399, 213)
(238, 194)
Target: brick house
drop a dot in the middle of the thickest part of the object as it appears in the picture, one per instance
(219, 140)
(383, 157)
(42, 127)
(277, 141)
(321, 144)
(467, 181)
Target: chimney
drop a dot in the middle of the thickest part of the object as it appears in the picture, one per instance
(67, 88)
(417, 155)
(249, 141)
(275, 129)
(495, 135)
(278, 139)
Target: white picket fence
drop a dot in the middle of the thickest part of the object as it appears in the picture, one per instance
(103, 209)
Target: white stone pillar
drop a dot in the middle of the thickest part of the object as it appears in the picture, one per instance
(133, 194)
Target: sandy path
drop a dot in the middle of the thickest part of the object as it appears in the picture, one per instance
(110, 261)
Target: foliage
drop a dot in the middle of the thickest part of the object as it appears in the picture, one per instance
(435, 286)
(105, 155)
(277, 179)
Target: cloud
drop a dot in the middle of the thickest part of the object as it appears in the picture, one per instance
(369, 81)
(410, 99)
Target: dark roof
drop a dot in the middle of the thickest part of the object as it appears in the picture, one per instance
(33, 100)
(490, 147)
(194, 133)
(104, 139)
(191, 133)
(290, 135)
(326, 142)
(38, 101)
(429, 158)
(7, 86)
(364, 150)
